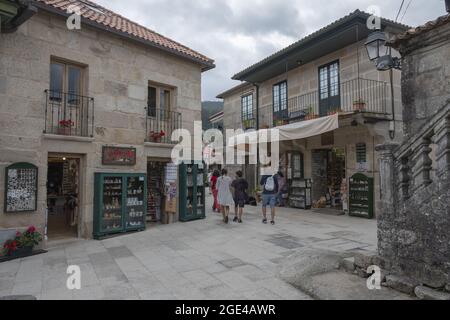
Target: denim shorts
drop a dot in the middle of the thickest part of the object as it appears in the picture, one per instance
(269, 200)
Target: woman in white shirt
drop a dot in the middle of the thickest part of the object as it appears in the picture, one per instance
(225, 196)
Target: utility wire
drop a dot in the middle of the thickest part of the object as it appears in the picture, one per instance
(407, 7)
(400, 10)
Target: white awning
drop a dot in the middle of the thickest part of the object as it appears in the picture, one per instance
(293, 131)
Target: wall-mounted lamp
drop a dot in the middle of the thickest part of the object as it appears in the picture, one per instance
(380, 53)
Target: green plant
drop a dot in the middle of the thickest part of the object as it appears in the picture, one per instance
(29, 238)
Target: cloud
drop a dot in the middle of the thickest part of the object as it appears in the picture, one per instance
(239, 33)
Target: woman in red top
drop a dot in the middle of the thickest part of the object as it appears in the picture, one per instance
(215, 175)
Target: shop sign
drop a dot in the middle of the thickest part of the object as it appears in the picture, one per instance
(119, 156)
(21, 185)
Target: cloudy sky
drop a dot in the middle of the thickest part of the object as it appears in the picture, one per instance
(239, 33)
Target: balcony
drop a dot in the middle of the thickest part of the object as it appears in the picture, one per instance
(160, 124)
(368, 97)
(68, 114)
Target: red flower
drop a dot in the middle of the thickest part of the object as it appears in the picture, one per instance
(18, 234)
(31, 229)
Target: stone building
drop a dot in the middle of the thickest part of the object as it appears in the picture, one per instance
(325, 73)
(65, 95)
(413, 230)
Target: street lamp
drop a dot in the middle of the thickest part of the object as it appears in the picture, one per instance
(380, 53)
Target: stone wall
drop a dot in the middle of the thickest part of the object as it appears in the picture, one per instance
(413, 230)
(118, 74)
(425, 76)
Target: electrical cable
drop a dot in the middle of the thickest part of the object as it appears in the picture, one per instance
(400, 10)
(404, 13)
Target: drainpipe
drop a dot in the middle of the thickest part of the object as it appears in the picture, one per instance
(392, 127)
(256, 85)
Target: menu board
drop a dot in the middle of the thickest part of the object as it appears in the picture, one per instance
(361, 196)
(21, 188)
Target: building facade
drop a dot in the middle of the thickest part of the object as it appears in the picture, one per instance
(326, 73)
(69, 99)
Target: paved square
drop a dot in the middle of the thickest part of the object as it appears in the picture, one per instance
(197, 260)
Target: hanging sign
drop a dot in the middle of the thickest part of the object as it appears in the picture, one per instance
(119, 156)
(21, 185)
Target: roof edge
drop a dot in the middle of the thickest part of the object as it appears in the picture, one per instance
(204, 64)
(233, 89)
(353, 15)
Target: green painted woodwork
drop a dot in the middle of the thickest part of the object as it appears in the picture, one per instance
(361, 196)
(192, 192)
(119, 199)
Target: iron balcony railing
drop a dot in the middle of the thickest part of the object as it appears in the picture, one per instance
(69, 114)
(357, 95)
(161, 124)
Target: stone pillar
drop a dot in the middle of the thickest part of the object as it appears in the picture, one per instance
(386, 234)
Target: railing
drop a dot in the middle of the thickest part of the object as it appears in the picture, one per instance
(425, 157)
(69, 114)
(160, 124)
(361, 95)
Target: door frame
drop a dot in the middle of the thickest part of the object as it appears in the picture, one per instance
(327, 65)
(81, 189)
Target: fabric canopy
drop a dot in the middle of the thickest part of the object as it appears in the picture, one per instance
(294, 131)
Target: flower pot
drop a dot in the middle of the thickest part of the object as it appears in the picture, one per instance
(21, 252)
(359, 106)
(64, 131)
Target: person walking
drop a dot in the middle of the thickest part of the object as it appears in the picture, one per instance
(269, 196)
(214, 191)
(282, 188)
(225, 197)
(240, 186)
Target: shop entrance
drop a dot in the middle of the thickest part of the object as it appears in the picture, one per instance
(63, 192)
(328, 174)
(161, 185)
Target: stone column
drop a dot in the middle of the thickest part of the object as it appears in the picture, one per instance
(386, 234)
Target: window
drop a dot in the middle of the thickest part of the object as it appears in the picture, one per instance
(361, 153)
(159, 98)
(247, 107)
(66, 78)
(280, 97)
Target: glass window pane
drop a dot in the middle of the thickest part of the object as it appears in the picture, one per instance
(74, 85)
(151, 103)
(56, 80)
(334, 80)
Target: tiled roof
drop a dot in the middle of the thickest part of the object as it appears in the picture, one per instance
(355, 14)
(413, 32)
(111, 21)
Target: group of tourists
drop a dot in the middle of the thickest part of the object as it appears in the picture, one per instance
(229, 193)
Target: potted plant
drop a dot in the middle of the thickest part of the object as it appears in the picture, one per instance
(23, 243)
(156, 136)
(309, 113)
(65, 127)
(359, 105)
(246, 124)
(334, 111)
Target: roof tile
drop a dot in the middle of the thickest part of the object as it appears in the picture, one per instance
(115, 21)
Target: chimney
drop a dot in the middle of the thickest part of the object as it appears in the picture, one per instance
(447, 5)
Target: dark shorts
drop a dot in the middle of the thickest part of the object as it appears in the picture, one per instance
(239, 203)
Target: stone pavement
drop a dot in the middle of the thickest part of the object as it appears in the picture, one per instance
(197, 260)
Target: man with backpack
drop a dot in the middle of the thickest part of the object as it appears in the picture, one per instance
(269, 196)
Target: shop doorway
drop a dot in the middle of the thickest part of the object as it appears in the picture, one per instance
(63, 192)
(161, 185)
(328, 174)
